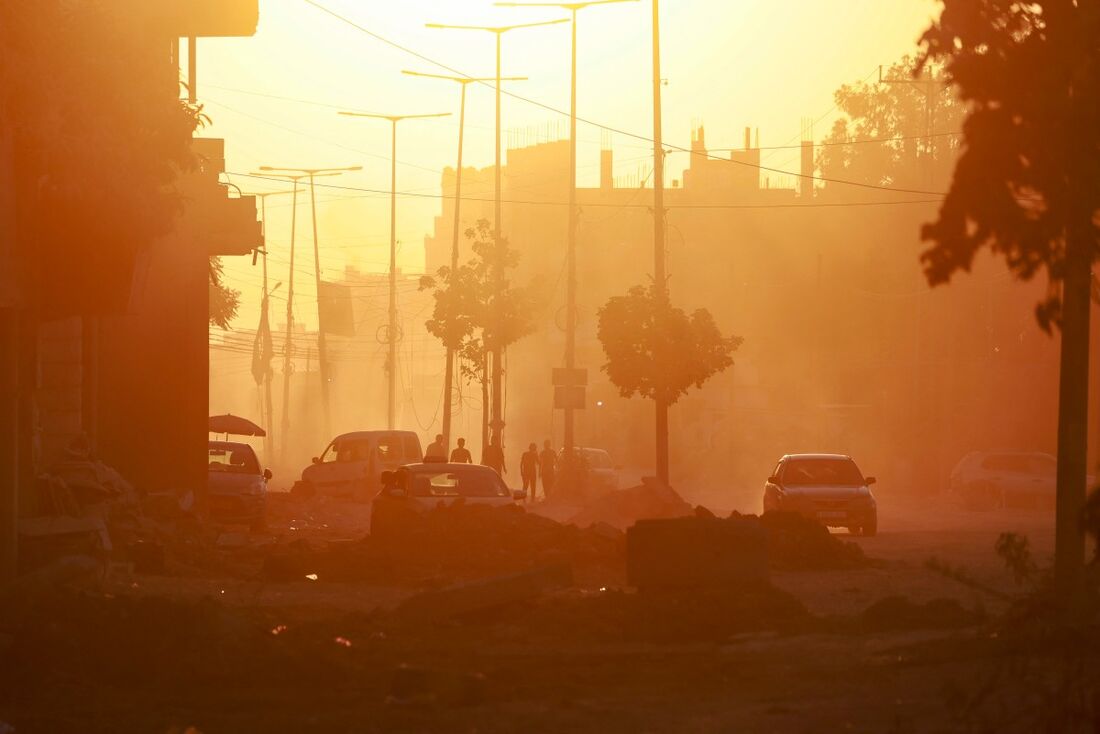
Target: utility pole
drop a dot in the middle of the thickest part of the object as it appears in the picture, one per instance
(496, 348)
(322, 350)
(463, 82)
(268, 411)
(660, 279)
(391, 335)
(927, 86)
(571, 246)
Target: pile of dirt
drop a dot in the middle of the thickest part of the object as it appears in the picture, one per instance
(797, 543)
(621, 508)
(894, 613)
(455, 542)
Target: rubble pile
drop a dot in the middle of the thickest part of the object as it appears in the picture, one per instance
(455, 542)
(797, 543)
(623, 507)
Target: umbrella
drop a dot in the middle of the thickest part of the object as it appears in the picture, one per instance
(233, 424)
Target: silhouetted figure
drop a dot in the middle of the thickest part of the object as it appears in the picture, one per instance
(494, 457)
(436, 450)
(461, 454)
(548, 467)
(529, 471)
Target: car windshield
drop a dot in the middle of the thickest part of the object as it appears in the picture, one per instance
(233, 458)
(474, 482)
(388, 448)
(821, 473)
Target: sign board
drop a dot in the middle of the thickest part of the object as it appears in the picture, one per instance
(565, 377)
(569, 396)
(199, 18)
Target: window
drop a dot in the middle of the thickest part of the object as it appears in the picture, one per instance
(232, 458)
(1014, 463)
(822, 473)
(412, 449)
(475, 483)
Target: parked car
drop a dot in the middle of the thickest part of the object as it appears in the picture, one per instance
(436, 482)
(829, 488)
(986, 480)
(352, 464)
(603, 473)
(236, 485)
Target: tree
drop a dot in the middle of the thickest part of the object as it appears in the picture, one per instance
(895, 114)
(1027, 185)
(224, 301)
(469, 308)
(658, 351)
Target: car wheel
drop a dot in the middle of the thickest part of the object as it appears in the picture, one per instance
(870, 527)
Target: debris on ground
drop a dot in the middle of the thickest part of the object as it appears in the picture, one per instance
(797, 543)
(415, 546)
(485, 594)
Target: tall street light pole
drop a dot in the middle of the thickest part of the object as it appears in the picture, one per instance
(571, 251)
(660, 280)
(463, 82)
(391, 336)
(322, 349)
(497, 423)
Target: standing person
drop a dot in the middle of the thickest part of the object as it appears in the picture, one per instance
(548, 466)
(436, 449)
(493, 457)
(461, 454)
(529, 471)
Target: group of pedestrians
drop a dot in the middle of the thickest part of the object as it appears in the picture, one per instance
(534, 465)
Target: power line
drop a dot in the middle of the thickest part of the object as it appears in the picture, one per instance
(609, 128)
(611, 205)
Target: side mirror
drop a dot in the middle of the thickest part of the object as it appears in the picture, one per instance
(519, 494)
(773, 480)
(869, 481)
(316, 460)
(267, 474)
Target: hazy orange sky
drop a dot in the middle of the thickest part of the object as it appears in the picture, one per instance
(729, 64)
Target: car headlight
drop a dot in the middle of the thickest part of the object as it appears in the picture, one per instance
(256, 489)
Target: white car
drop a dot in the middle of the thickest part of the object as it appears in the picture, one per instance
(436, 482)
(986, 480)
(352, 464)
(602, 471)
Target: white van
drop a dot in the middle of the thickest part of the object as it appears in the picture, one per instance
(352, 465)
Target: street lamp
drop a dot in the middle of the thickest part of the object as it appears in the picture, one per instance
(463, 82)
(391, 336)
(571, 248)
(497, 351)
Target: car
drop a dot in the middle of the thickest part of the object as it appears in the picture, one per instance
(829, 488)
(602, 471)
(350, 466)
(432, 483)
(236, 486)
(986, 480)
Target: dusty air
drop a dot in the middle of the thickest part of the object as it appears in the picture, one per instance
(619, 366)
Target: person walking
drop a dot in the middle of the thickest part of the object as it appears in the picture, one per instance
(461, 454)
(493, 457)
(548, 466)
(529, 471)
(436, 449)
